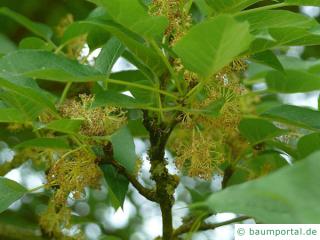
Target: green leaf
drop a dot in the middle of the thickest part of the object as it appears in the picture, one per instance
(137, 128)
(11, 115)
(299, 116)
(12, 138)
(46, 65)
(18, 81)
(35, 43)
(303, 2)
(281, 146)
(258, 71)
(113, 98)
(51, 143)
(95, 37)
(20, 221)
(276, 19)
(28, 108)
(35, 95)
(230, 6)
(143, 96)
(77, 29)
(259, 130)
(256, 167)
(213, 44)
(6, 45)
(70, 126)
(143, 68)
(287, 196)
(285, 36)
(10, 191)
(268, 58)
(37, 28)
(108, 56)
(197, 195)
(135, 76)
(203, 7)
(295, 63)
(308, 144)
(132, 15)
(292, 81)
(118, 185)
(124, 149)
(133, 42)
(299, 37)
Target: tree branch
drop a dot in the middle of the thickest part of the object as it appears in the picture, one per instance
(147, 193)
(159, 133)
(206, 226)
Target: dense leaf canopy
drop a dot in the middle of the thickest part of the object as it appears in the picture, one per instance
(108, 99)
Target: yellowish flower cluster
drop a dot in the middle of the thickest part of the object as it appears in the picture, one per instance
(98, 121)
(69, 176)
(75, 46)
(77, 169)
(209, 141)
(177, 14)
(63, 24)
(199, 156)
(54, 219)
(73, 172)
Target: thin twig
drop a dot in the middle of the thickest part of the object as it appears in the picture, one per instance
(141, 86)
(147, 193)
(185, 228)
(65, 92)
